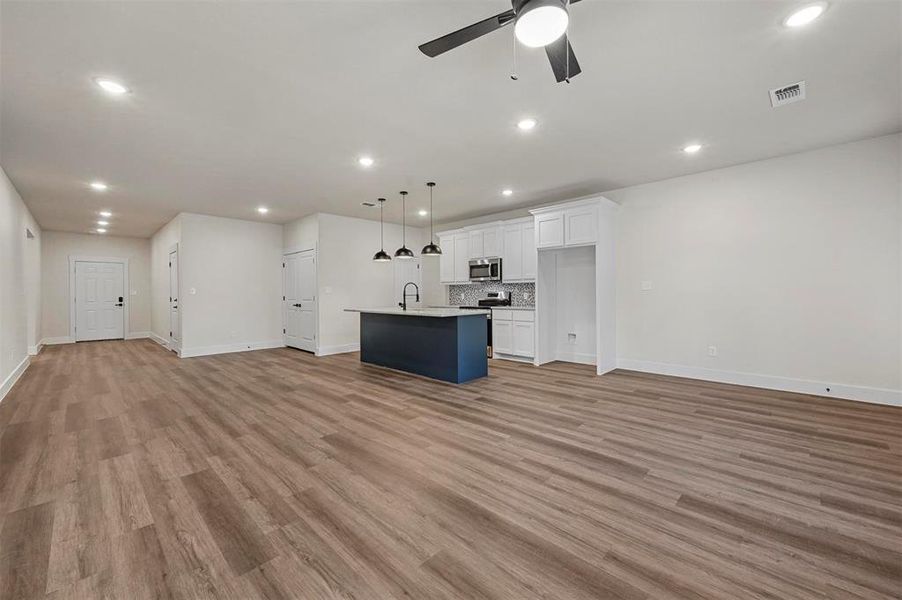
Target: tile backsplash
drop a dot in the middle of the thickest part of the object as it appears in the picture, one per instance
(521, 294)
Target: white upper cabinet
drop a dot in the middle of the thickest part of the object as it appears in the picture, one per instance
(493, 242)
(549, 230)
(580, 226)
(461, 258)
(574, 224)
(476, 244)
(512, 265)
(519, 251)
(446, 260)
(529, 252)
(486, 242)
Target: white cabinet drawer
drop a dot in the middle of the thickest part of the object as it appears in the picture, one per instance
(502, 314)
(525, 316)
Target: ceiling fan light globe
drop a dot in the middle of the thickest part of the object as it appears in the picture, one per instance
(540, 23)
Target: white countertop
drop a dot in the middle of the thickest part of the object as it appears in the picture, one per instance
(493, 307)
(419, 312)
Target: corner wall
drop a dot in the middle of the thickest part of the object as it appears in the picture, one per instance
(230, 274)
(789, 267)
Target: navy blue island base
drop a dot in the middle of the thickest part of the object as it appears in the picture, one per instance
(447, 348)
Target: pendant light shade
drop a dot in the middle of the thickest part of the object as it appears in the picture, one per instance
(431, 249)
(404, 253)
(382, 255)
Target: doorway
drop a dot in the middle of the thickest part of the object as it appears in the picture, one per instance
(175, 321)
(299, 300)
(98, 303)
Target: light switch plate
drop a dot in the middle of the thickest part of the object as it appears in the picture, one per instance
(647, 285)
(192, 291)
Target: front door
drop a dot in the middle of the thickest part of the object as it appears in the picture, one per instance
(299, 304)
(99, 301)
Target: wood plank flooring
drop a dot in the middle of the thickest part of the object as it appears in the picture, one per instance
(127, 473)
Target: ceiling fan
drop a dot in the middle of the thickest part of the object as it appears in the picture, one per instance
(537, 23)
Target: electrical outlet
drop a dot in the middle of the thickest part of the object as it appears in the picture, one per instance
(712, 350)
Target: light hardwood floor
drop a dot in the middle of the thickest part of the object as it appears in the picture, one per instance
(127, 473)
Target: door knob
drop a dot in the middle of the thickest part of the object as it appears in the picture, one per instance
(118, 304)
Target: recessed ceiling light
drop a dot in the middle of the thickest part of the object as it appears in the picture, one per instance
(100, 230)
(540, 24)
(262, 210)
(111, 87)
(423, 212)
(527, 124)
(507, 192)
(99, 186)
(365, 161)
(692, 148)
(805, 15)
(106, 213)
(103, 223)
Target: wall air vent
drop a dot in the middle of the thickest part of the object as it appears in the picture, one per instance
(787, 94)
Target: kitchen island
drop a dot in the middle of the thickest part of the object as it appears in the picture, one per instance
(441, 343)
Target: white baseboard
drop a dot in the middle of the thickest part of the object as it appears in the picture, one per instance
(339, 349)
(138, 335)
(512, 358)
(33, 350)
(161, 341)
(57, 340)
(227, 348)
(13, 377)
(581, 358)
(771, 382)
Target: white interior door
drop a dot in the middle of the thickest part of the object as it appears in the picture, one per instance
(99, 301)
(175, 323)
(405, 271)
(299, 300)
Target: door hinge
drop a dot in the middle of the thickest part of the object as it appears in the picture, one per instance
(170, 334)
(283, 298)
(170, 263)
(283, 331)
(283, 265)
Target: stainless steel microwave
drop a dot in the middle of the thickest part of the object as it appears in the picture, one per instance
(485, 269)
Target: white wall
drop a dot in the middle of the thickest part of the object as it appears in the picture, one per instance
(56, 247)
(349, 278)
(160, 245)
(234, 268)
(301, 234)
(19, 279)
(789, 266)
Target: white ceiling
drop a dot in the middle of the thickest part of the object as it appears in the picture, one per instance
(246, 103)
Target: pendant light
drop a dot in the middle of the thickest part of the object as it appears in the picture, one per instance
(404, 253)
(431, 249)
(382, 255)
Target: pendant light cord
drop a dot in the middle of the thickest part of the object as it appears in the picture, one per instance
(404, 219)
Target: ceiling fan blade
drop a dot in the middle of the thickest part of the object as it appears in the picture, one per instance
(467, 34)
(557, 52)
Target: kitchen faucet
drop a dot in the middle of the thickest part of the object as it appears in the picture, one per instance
(403, 302)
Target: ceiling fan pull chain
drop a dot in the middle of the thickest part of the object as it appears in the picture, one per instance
(514, 75)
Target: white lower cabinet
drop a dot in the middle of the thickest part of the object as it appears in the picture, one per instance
(502, 336)
(513, 333)
(524, 339)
